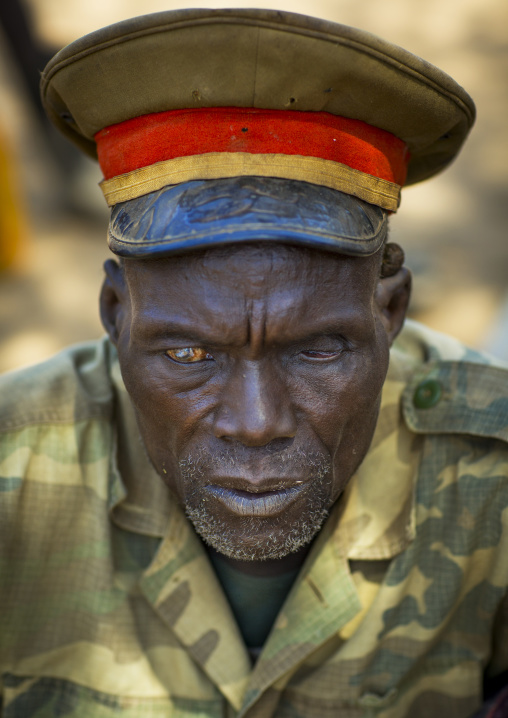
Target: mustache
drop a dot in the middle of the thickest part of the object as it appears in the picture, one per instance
(242, 538)
(198, 465)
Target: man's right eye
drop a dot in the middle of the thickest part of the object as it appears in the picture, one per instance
(189, 355)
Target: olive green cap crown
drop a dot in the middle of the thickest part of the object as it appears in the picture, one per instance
(255, 58)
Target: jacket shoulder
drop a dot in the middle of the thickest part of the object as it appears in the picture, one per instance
(72, 385)
(453, 389)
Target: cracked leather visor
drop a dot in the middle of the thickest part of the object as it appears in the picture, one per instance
(213, 213)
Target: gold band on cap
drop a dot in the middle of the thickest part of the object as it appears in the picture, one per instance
(220, 165)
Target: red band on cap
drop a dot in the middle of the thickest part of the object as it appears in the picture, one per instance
(149, 139)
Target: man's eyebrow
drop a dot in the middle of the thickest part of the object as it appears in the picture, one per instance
(175, 330)
(335, 332)
(185, 332)
(348, 324)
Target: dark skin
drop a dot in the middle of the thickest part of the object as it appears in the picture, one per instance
(256, 377)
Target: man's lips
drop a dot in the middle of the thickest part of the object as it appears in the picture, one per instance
(255, 503)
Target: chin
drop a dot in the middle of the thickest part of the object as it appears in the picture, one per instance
(254, 539)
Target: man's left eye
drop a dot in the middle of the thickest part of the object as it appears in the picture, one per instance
(189, 355)
(316, 354)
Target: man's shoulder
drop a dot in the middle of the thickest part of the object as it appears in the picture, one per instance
(423, 344)
(71, 386)
(55, 437)
(450, 388)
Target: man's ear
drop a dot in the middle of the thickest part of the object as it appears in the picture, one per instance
(392, 299)
(113, 299)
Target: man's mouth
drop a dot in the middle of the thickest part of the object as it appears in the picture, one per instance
(249, 503)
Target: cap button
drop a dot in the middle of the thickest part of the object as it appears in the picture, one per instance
(427, 394)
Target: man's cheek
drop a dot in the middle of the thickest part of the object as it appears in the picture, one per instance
(342, 416)
(151, 396)
(168, 431)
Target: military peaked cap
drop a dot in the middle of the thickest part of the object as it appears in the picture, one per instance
(179, 105)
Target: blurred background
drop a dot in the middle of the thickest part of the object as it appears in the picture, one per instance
(53, 217)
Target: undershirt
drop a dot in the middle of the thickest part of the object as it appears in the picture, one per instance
(254, 600)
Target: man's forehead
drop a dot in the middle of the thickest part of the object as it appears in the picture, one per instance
(259, 271)
(228, 300)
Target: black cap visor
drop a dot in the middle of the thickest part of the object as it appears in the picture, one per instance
(201, 214)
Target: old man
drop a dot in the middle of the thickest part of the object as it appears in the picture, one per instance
(248, 500)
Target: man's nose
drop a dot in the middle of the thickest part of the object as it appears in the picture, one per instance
(255, 407)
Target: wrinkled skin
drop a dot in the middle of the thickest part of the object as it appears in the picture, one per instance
(256, 376)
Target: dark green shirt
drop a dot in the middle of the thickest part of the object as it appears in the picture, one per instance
(255, 600)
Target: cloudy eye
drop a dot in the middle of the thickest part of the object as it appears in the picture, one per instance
(316, 354)
(189, 355)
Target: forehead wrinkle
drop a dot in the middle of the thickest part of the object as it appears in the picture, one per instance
(256, 262)
(256, 317)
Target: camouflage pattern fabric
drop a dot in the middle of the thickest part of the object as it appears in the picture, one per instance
(109, 606)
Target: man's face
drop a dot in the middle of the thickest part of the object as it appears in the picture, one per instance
(256, 376)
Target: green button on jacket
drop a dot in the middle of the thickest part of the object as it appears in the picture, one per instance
(427, 394)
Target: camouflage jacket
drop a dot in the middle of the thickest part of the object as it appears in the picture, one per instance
(109, 606)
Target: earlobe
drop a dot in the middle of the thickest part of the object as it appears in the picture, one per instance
(112, 299)
(392, 299)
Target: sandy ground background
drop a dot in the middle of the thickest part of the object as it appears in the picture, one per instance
(453, 228)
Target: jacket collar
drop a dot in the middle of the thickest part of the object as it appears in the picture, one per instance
(377, 519)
